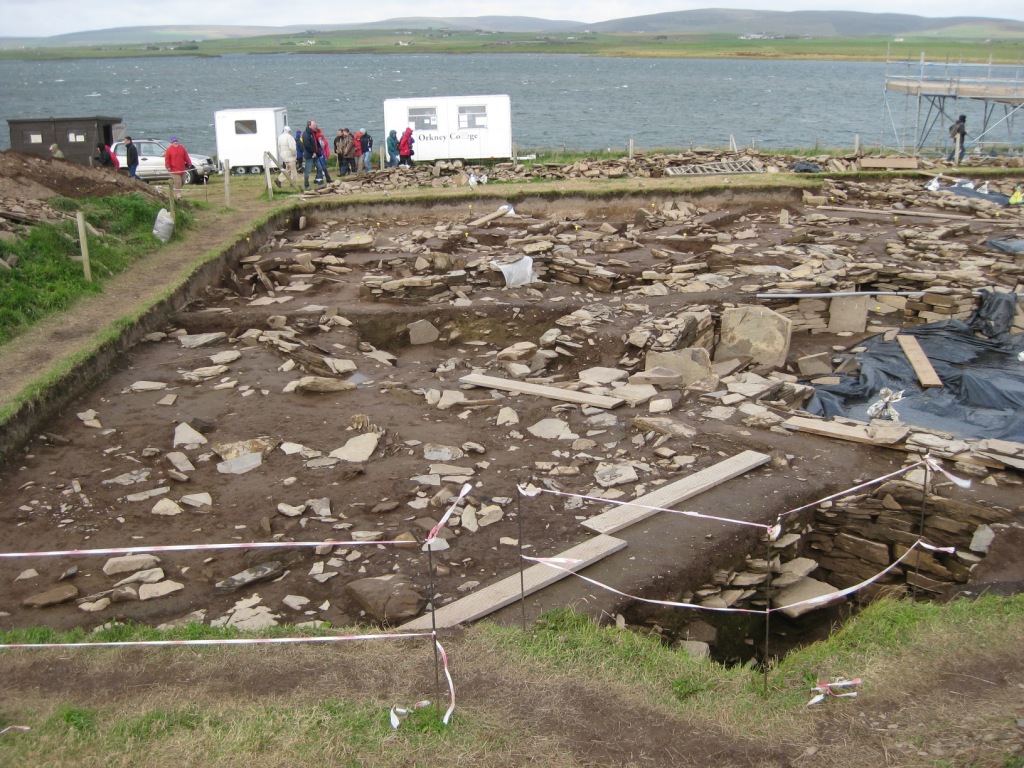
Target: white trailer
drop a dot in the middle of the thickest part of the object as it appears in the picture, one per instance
(243, 135)
(453, 127)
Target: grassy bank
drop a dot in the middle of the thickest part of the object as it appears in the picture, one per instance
(529, 698)
(979, 47)
(48, 274)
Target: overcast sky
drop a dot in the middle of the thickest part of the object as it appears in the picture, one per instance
(42, 18)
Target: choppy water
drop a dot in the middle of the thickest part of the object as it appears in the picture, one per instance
(575, 102)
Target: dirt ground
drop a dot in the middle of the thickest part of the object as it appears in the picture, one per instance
(60, 496)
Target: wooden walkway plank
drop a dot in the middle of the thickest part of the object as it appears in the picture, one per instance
(617, 518)
(922, 365)
(554, 393)
(505, 592)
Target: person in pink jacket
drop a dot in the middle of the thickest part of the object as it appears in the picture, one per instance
(177, 162)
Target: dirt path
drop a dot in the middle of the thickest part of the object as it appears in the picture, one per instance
(76, 331)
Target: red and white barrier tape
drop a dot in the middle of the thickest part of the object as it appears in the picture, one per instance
(466, 488)
(558, 562)
(824, 689)
(253, 641)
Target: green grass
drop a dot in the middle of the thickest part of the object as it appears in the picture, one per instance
(961, 44)
(892, 644)
(47, 279)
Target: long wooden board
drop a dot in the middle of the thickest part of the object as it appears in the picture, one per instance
(850, 432)
(617, 518)
(922, 365)
(505, 592)
(542, 390)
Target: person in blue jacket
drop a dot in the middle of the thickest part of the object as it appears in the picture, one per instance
(310, 151)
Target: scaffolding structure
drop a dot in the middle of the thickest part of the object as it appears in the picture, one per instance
(932, 92)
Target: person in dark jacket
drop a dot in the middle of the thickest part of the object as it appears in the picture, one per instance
(958, 133)
(392, 148)
(103, 156)
(310, 151)
(298, 151)
(131, 157)
(367, 143)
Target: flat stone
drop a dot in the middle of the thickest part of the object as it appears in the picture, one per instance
(982, 539)
(695, 648)
(805, 589)
(691, 364)
(449, 398)
(423, 332)
(506, 416)
(148, 386)
(295, 602)
(194, 341)
(520, 351)
(129, 563)
(93, 607)
(257, 573)
(815, 365)
(610, 475)
(185, 435)
(848, 314)
(54, 596)
(197, 499)
(223, 358)
(389, 599)
(180, 461)
(552, 429)
(358, 449)
(148, 576)
(160, 589)
(600, 376)
(635, 394)
(322, 385)
(240, 464)
(166, 507)
(757, 333)
(662, 377)
(435, 452)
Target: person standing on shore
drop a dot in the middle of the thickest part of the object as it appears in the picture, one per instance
(286, 154)
(367, 143)
(392, 147)
(325, 152)
(348, 152)
(177, 162)
(405, 151)
(310, 152)
(131, 157)
(338, 151)
(103, 156)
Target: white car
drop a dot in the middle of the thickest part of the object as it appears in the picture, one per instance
(151, 161)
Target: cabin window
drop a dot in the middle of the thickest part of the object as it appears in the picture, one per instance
(472, 117)
(423, 118)
(28, 137)
(245, 127)
(76, 138)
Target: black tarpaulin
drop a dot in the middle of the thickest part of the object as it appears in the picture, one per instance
(983, 379)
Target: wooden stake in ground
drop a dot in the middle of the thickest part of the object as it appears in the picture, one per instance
(922, 365)
(172, 203)
(227, 183)
(83, 243)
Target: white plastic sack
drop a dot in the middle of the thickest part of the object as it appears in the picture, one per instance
(164, 226)
(518, 272)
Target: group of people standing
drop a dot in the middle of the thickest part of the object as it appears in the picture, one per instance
(309, 151)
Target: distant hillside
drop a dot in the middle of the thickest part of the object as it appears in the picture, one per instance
(816, 23)
(705, 21)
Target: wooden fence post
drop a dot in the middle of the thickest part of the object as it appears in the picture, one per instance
(83, 243)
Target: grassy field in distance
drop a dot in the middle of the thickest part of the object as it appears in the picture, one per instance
(979, 49)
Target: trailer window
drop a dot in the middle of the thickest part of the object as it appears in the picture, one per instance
(423, 118)
(245, 127)
(76, 138)
(472, 117)
(28, 137)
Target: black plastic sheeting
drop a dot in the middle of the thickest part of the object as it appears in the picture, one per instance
(992, 197)
(983, 392)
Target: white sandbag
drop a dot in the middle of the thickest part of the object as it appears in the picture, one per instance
(164, 226)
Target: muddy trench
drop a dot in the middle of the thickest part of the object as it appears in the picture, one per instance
(331, 357)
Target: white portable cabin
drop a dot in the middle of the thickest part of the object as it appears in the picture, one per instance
(453, 127)
(243, 135)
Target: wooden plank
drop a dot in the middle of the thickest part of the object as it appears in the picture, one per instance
(859, 433)
(922, 365)
(888, 162)
(505, 592)
(617, 518)
(542, 390)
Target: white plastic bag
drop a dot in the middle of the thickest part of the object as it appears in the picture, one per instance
(518, 272)
(164, 226)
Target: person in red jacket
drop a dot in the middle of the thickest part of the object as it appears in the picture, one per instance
(177, 162)
(405, 151)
